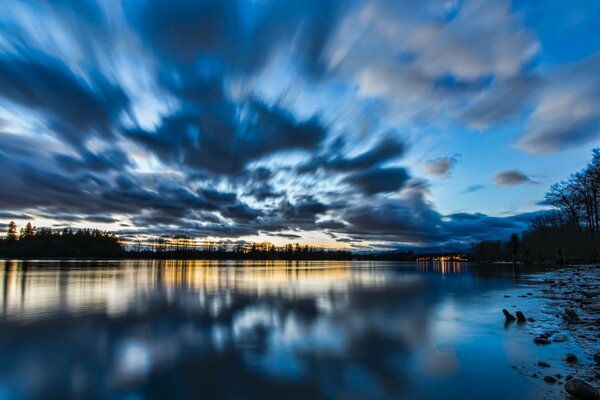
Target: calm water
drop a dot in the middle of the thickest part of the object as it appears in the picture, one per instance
(283, 330)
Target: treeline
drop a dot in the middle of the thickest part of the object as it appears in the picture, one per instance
(570, 232)
(44, 242)
(179, 248)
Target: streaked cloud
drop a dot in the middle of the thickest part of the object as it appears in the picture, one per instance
(281, 118)
(511, 178)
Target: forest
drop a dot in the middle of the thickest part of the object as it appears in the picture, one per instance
(44, 242)
(31, 242)
(569, 232)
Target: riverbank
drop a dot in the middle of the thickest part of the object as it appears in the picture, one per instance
(567, 316)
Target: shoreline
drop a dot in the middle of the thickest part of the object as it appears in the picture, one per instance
(568, 317)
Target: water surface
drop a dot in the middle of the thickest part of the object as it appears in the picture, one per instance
(260, 330)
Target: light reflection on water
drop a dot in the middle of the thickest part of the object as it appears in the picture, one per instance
(214, 329)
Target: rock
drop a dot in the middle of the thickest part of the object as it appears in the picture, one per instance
(568, 377)
(543, 364)
(540, 340)
(530, 319)
(571, 317)
(581, 390)
(560, 338)
(550, 379)
(521, 317)
(597, 358)
(507, 315)
(571, 358)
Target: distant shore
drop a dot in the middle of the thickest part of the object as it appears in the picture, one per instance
(314, 255)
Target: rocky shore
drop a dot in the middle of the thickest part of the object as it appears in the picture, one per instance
(567, 316)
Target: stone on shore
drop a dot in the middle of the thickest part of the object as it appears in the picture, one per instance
(571, 317)
(581, 390)
(550, 379)
(571, 358)
(597, 358)
(507, 315)
(543, 364)
(541, 340)
(521, 317)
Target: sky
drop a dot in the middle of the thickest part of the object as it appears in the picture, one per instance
(361, 124)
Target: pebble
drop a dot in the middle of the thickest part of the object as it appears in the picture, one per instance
(540, 340)
(543, 364)
(581, 390)
(550, 379)
(571, 358)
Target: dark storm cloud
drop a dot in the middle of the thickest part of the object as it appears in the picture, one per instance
(14, 215)
(402, 223)
(289, 236)
(301, 211)
(201, 60)
(222, 141)
(511, 178)
(256, 183)
(379, 180)
(73, 106)
(86, 160)
(330, 224)
(241, 212)
(364, 171)
(221, 32)
(390, 147)
(152, 201)
(476, 227)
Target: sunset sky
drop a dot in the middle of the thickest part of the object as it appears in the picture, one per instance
(378, 124)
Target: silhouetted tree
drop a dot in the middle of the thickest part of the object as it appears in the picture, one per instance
(27, 232)
(570, 231)
(11, 235)
(513, 246)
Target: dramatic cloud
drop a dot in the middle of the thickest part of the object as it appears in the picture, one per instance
(227, 140)
(71, 105)
(379, 180)
(511, 178)
(278, 119)
(568, 113)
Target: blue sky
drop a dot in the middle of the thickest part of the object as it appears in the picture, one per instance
(341, 123)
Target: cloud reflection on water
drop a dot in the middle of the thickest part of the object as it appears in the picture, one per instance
(157, 329)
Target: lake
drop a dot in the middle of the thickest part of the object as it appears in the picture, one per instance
(266, 330)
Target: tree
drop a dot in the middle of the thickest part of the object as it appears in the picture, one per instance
(513, 245)
(12, 231)
(29, 230)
